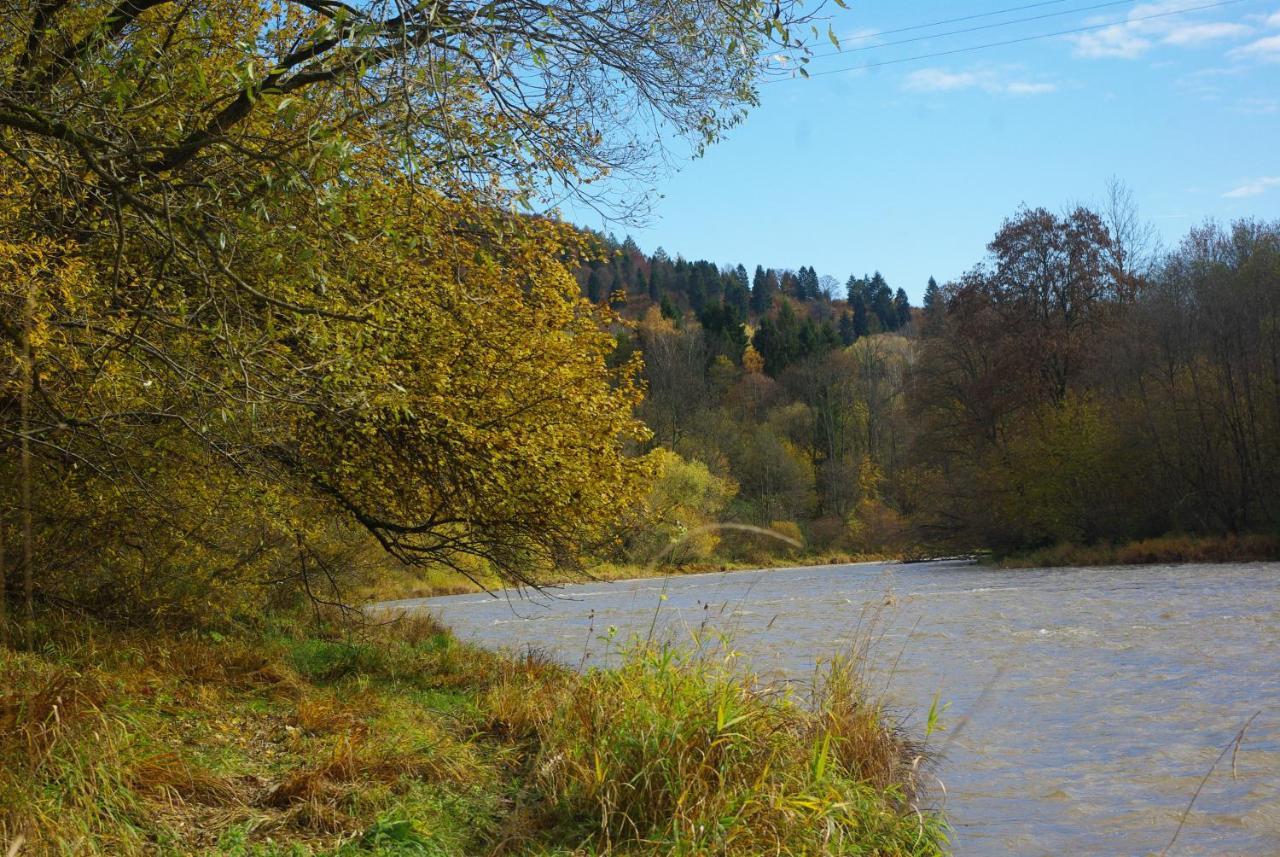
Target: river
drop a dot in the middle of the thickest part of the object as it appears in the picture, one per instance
(1084, 705)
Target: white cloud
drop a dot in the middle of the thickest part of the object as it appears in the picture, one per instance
(1198, 34)
(862, 34)
(1267, 50)
(1140, 32)
(1256, 187)
(987, 80)
(1259, 106)
(1118, 42)
(1024, 88)
(1273, 21)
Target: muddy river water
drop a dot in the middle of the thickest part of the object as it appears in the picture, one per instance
(1085, 705)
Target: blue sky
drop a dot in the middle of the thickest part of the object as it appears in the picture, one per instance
(910, 168)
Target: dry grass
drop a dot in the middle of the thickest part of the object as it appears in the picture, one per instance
(1163, 550)
(400, 740)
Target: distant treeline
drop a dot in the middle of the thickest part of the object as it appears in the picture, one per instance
(1077, 385)
(814, 313)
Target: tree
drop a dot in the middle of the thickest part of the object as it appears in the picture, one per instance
(1000, 382)
(763, 288)
(657, 277)
(595, 286)
(1053, 285)
(848, 334)
(901, 309)
(274, 279)
(675, 362)
(776, 481)
(674, 522)
(935, 306)
(724, 332)
(827, 286)
(669, 310)
(880, 302)
(785, 339)
(858, 303)
(778, 339)
(806, 284)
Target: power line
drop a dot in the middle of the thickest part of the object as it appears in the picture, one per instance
(975, 29)
(880, 33)
(1012, 41)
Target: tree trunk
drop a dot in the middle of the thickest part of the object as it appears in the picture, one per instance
(25, 426)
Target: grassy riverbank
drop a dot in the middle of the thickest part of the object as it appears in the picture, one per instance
(1164, 550)
(401, 740)
(390, 583)
(385, 582)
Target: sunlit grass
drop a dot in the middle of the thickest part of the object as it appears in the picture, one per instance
(401, 740)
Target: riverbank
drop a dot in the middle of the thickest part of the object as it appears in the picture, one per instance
(396, 583)
(1165, 550)
(399, 739)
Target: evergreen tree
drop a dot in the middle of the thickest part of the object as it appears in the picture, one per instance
(935, 306)
(616, 278)
(736, 294)
(858, 306)
(595, 286)
(696, 290)
(881, 300)
(788, 285)
(772, 286)
(807, 284)
(778, 339)
(848, 335)
(902, 308)
(627, 269)
(763, 287)
(810, 340)
(723, 332)
(829, 339)
(668, 309)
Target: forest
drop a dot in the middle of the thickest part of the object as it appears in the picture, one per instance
(1079, 385)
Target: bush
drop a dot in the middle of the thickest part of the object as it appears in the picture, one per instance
(876, 528)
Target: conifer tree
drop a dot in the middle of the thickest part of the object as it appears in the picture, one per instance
(848, 335)
(902, 308)
(881, 299)
(668, 309)
(858, 306)
(595, 286)
(934, 306)
(764, 286)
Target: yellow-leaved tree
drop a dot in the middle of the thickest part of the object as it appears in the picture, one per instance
(266, 291)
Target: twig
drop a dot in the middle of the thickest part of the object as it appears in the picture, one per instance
(1235, 742)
